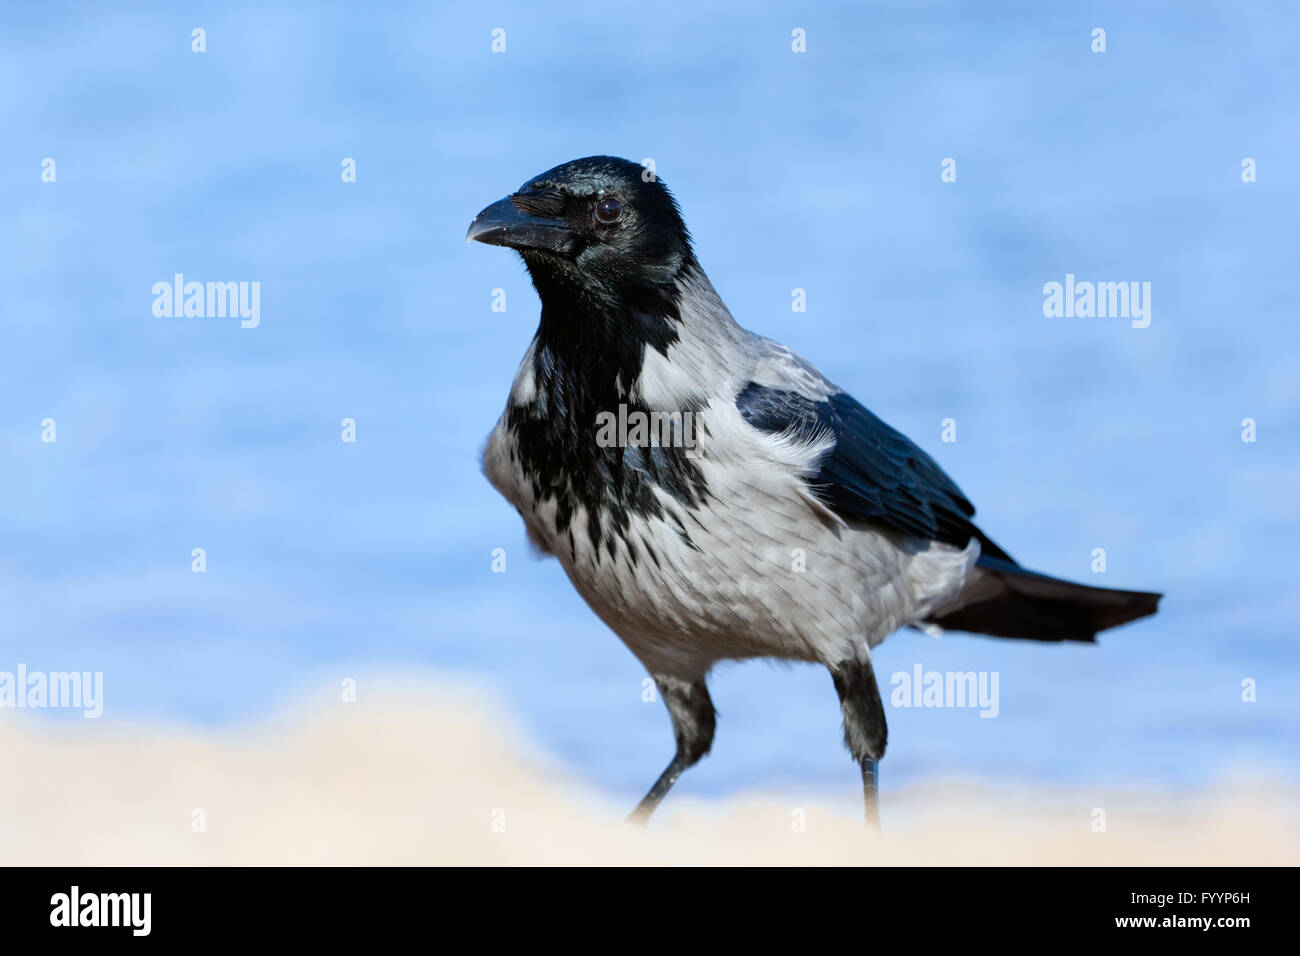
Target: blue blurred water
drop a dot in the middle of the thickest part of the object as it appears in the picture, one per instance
(818, 171)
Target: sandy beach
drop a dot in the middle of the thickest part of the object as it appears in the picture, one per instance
(437, 775)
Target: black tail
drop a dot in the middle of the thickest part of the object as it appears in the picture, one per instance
(1003, 599)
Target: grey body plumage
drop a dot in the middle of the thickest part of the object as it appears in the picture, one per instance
(795, 525)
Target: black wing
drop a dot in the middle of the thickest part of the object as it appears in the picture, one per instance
(873, 473)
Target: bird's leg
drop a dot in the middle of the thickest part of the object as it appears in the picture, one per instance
(871, 792)
(693, 721)
(865, 731)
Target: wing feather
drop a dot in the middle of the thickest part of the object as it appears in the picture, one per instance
(872, 472)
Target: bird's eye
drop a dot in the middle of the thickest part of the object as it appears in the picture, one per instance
(608, 210)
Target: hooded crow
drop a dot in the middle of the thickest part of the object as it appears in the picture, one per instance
(710, 494)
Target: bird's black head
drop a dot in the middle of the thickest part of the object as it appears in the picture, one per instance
(600, 229)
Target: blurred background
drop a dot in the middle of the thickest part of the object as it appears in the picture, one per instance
(327, 561)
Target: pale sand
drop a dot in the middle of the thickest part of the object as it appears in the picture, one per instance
(433, 776)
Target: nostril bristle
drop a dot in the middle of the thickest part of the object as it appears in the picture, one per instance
(540, 202)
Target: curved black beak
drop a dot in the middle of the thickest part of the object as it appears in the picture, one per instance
(503, 224)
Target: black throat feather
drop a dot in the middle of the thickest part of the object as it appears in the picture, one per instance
(588, 354)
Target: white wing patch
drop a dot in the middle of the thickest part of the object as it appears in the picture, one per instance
(781, 368)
